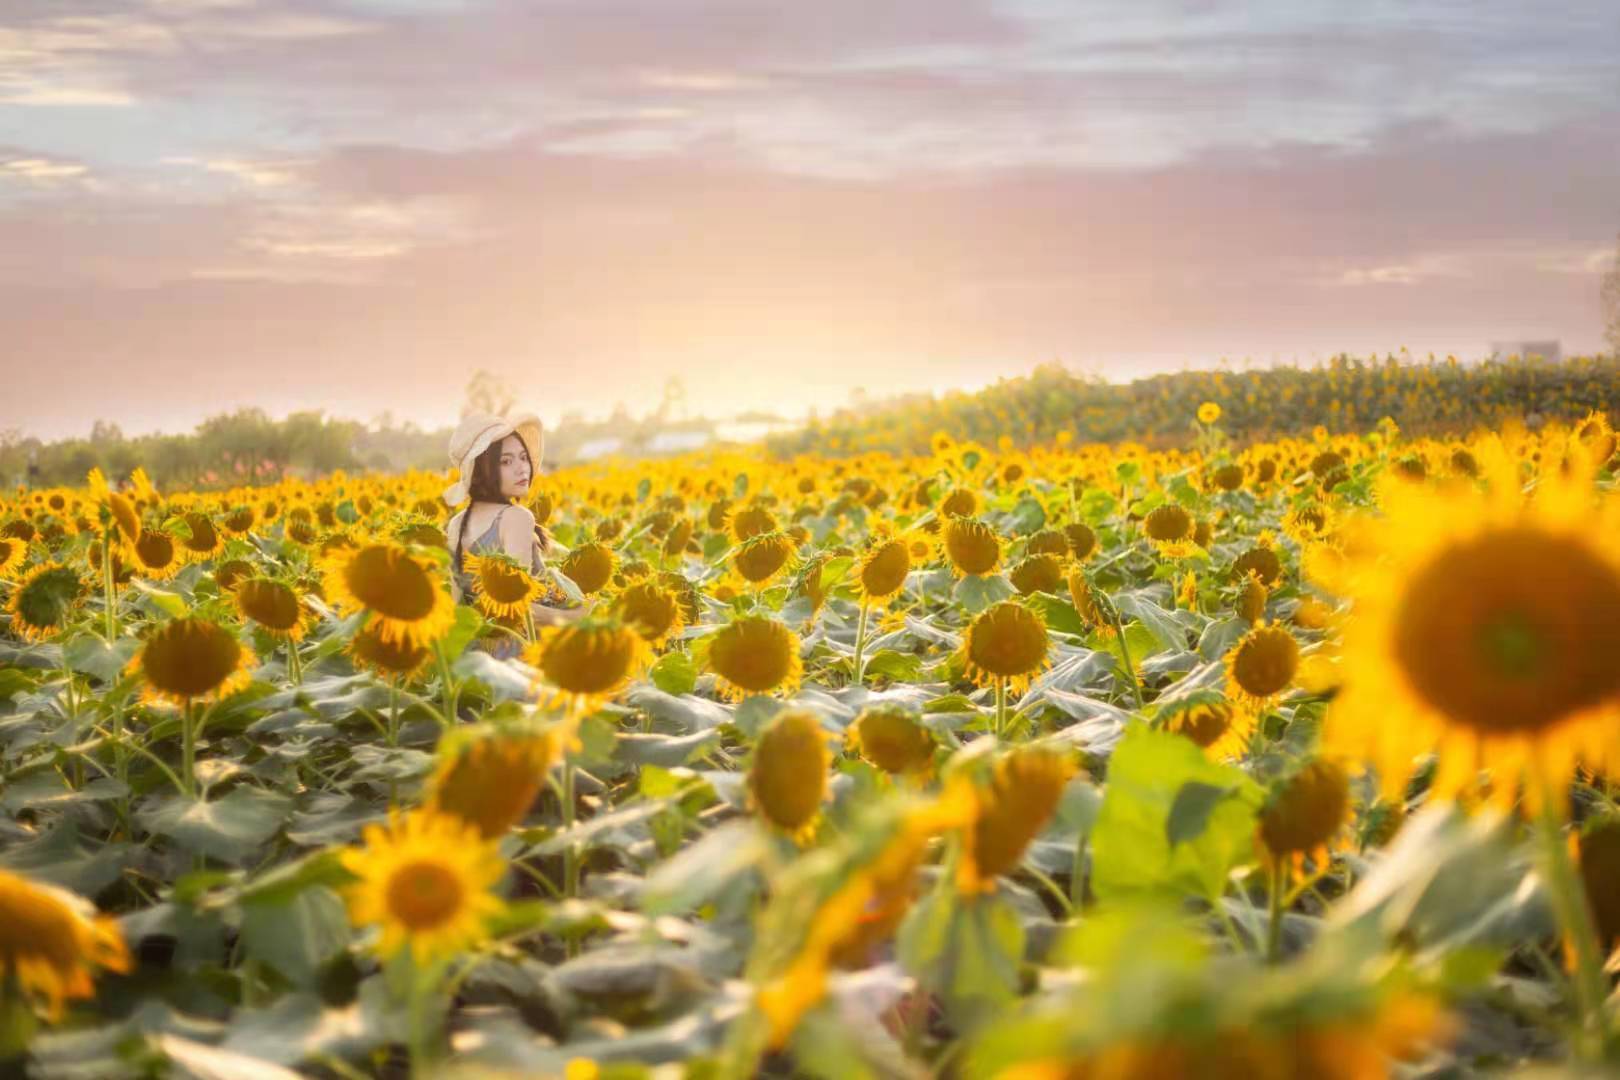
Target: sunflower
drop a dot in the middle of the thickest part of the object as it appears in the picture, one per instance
(961, 502)
(1208, 412)
(273, 605)
(892, 738)
(156, 555)
(239, 520)
(1261, 666)
(125, 518)
(1170, 528)
(749, 522)
(43, 601)
(51, 942)
(972, 546)
(1082, 540)
(1226, 477)
(755, 654)
(387, 658)
(501, 588)
(1259, 560)
(1005, 642)
(203, 541)
(762, 556)
(1306, 811)
(590, 566)
(1092, 604)
(489, 777)
(12, 554)
(882, 571)
(188, 658)
(425, 879)
(1041, 572)
(1251, 600)
(1308, 522)
(1218, 729)
(653, 609)
(1483, 627)
(1020, 799)
(788, 777)
(587, 661)
(403, 593)
(864, 910)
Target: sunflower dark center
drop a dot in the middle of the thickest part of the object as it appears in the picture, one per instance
(1511, 631)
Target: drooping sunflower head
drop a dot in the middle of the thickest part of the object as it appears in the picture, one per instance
(1261, 666)
(12, 553)
(1041, 572)
(1482, 627)
(1226, 477)
(892, 738)
(763, 556)
(1091, 603)
(653, 609)
(44, 600)
(1012, 809)
(489, 776)
(1259, 560)
(590, 566)
(403, 592)
(755, 654)
(1217, 728)
(788, 777)
(390, 659)
(1048, 542)
(1306, 810)
(1308, 522)
(52, 942)
(1170, 527)
(588, 661)
(425, 880)
(960, 502)
(203, 541)
(882, 571)
(972, 546)
(1251, 600)
(751, 521)
(502, 589)
(188, 658)
(1082, 540)
(1005, 641)
(273, 605)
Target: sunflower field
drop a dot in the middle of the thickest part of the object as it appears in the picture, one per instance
(1244, 759)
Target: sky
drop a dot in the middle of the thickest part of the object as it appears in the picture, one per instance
(351, 205)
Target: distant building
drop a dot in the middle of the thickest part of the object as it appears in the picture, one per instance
(1552, 351)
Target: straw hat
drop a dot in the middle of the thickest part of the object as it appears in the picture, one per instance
(480, 431)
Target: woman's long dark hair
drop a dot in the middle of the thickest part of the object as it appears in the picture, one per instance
(485, 486)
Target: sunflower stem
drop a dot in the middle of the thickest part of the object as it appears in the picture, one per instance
(450, 689)
(1125, 654)
(393, 713)
(1001, 707)
(860, 647)
(188, 752)
(1575, 916)
(109, 590)
(1274, 932)
(295, 663)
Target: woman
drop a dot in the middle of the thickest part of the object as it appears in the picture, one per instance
(497, 458)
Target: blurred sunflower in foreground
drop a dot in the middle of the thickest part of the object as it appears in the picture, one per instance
(425, 880)
(51, 941)
(1484, 627)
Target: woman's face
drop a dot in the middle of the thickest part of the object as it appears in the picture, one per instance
(515, 468)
